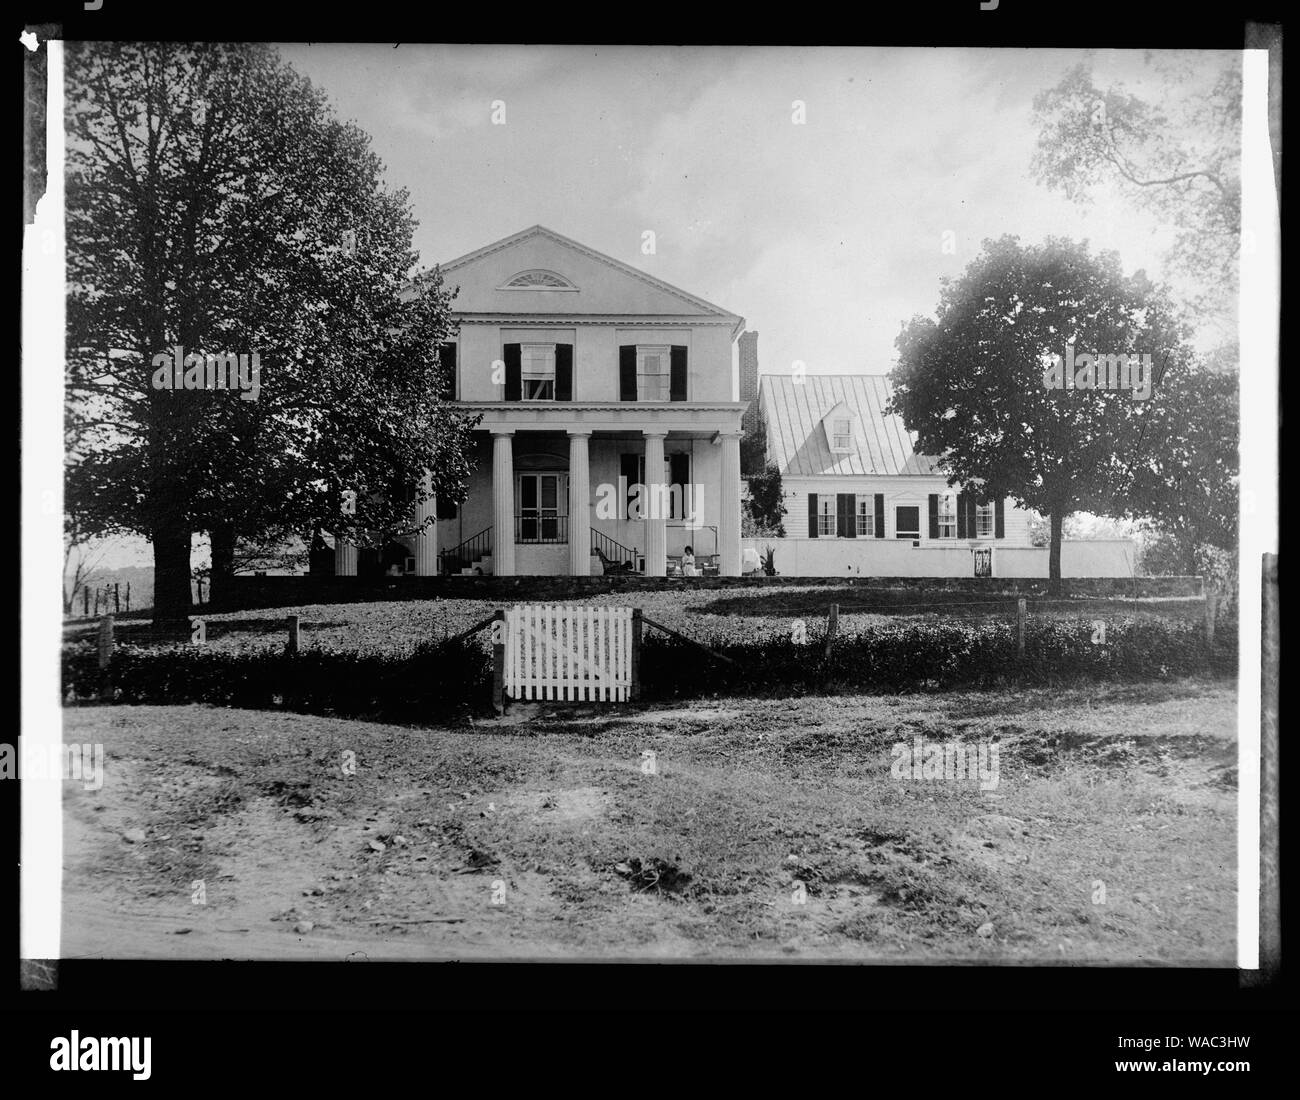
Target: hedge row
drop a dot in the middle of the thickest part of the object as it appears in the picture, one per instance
(919, 656)
(435, 681)
(441, 680)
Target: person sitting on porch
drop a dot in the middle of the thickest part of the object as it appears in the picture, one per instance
(688, 563)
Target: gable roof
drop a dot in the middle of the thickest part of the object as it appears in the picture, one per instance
(794, 412)
(697, 305)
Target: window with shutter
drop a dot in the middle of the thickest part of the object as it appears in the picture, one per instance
(514, 386)
(826, 516)
(866, 518)
(627, 372)
(947, 516)
(537, 372)
(677, 370)
(652, 372)
(563, 372)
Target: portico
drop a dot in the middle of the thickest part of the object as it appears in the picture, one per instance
(581, 496)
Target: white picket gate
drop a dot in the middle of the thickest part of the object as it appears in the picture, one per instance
(557, 651)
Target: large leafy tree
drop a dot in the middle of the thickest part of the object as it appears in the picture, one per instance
(970, 382)
(216, 204)
(1189, 489)
(1173, 149)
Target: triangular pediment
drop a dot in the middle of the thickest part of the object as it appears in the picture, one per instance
(538, 271)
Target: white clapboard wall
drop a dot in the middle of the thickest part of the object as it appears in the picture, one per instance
(556, 651)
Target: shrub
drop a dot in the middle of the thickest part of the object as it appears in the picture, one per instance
(436, 680)
(446, 679)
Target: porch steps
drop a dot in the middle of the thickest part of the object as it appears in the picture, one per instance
(480, 567)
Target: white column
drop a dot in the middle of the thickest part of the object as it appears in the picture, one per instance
(656, 562)
(503, 503)
(729, 508)
(579, 506)
(426, 538)
(345, 557)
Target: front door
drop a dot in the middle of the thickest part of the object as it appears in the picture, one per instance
(539, 508)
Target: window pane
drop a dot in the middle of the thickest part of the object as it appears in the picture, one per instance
(549, 492)
(528, 492)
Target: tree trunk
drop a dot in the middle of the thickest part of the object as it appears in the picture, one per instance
(171, 577)
(223, 565)
(1054, 553)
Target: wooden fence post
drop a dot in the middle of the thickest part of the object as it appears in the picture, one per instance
(499, 662)
(295, 635)
(1211, 603)
(636, 654)
(128, 595)
(117, 598)
(1020, 627)
(832, 627)
(85, 600)
(105, 657)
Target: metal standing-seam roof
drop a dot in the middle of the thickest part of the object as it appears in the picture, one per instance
(797, 443)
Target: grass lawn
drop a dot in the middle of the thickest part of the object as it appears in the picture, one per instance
(1109, 838)
(708, 615)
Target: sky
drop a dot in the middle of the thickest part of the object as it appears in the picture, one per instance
(826, 235)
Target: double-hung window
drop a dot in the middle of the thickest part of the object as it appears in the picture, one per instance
(842, 435)
(826, 514)
(653, 372)
(537, 371)
(984, 521)
(947, 515)
(866, 517)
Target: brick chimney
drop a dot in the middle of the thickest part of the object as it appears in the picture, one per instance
(749, 377)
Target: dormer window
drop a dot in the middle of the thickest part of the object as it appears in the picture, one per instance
(842, 435)
(538, 280)
(838, 424)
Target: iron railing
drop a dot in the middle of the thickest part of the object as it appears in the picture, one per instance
(614, 556)
(467, 553)
(535, 527)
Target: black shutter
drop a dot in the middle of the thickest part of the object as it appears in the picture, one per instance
(627, 465)
(563, 372)
(880, 515)
(972, 524)
(812, 515)
(677, 380)
(514, 373)
(934, 515)
(627, 373)
(447, 367)
(999, 521)
(961, 516)
(844, 515)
